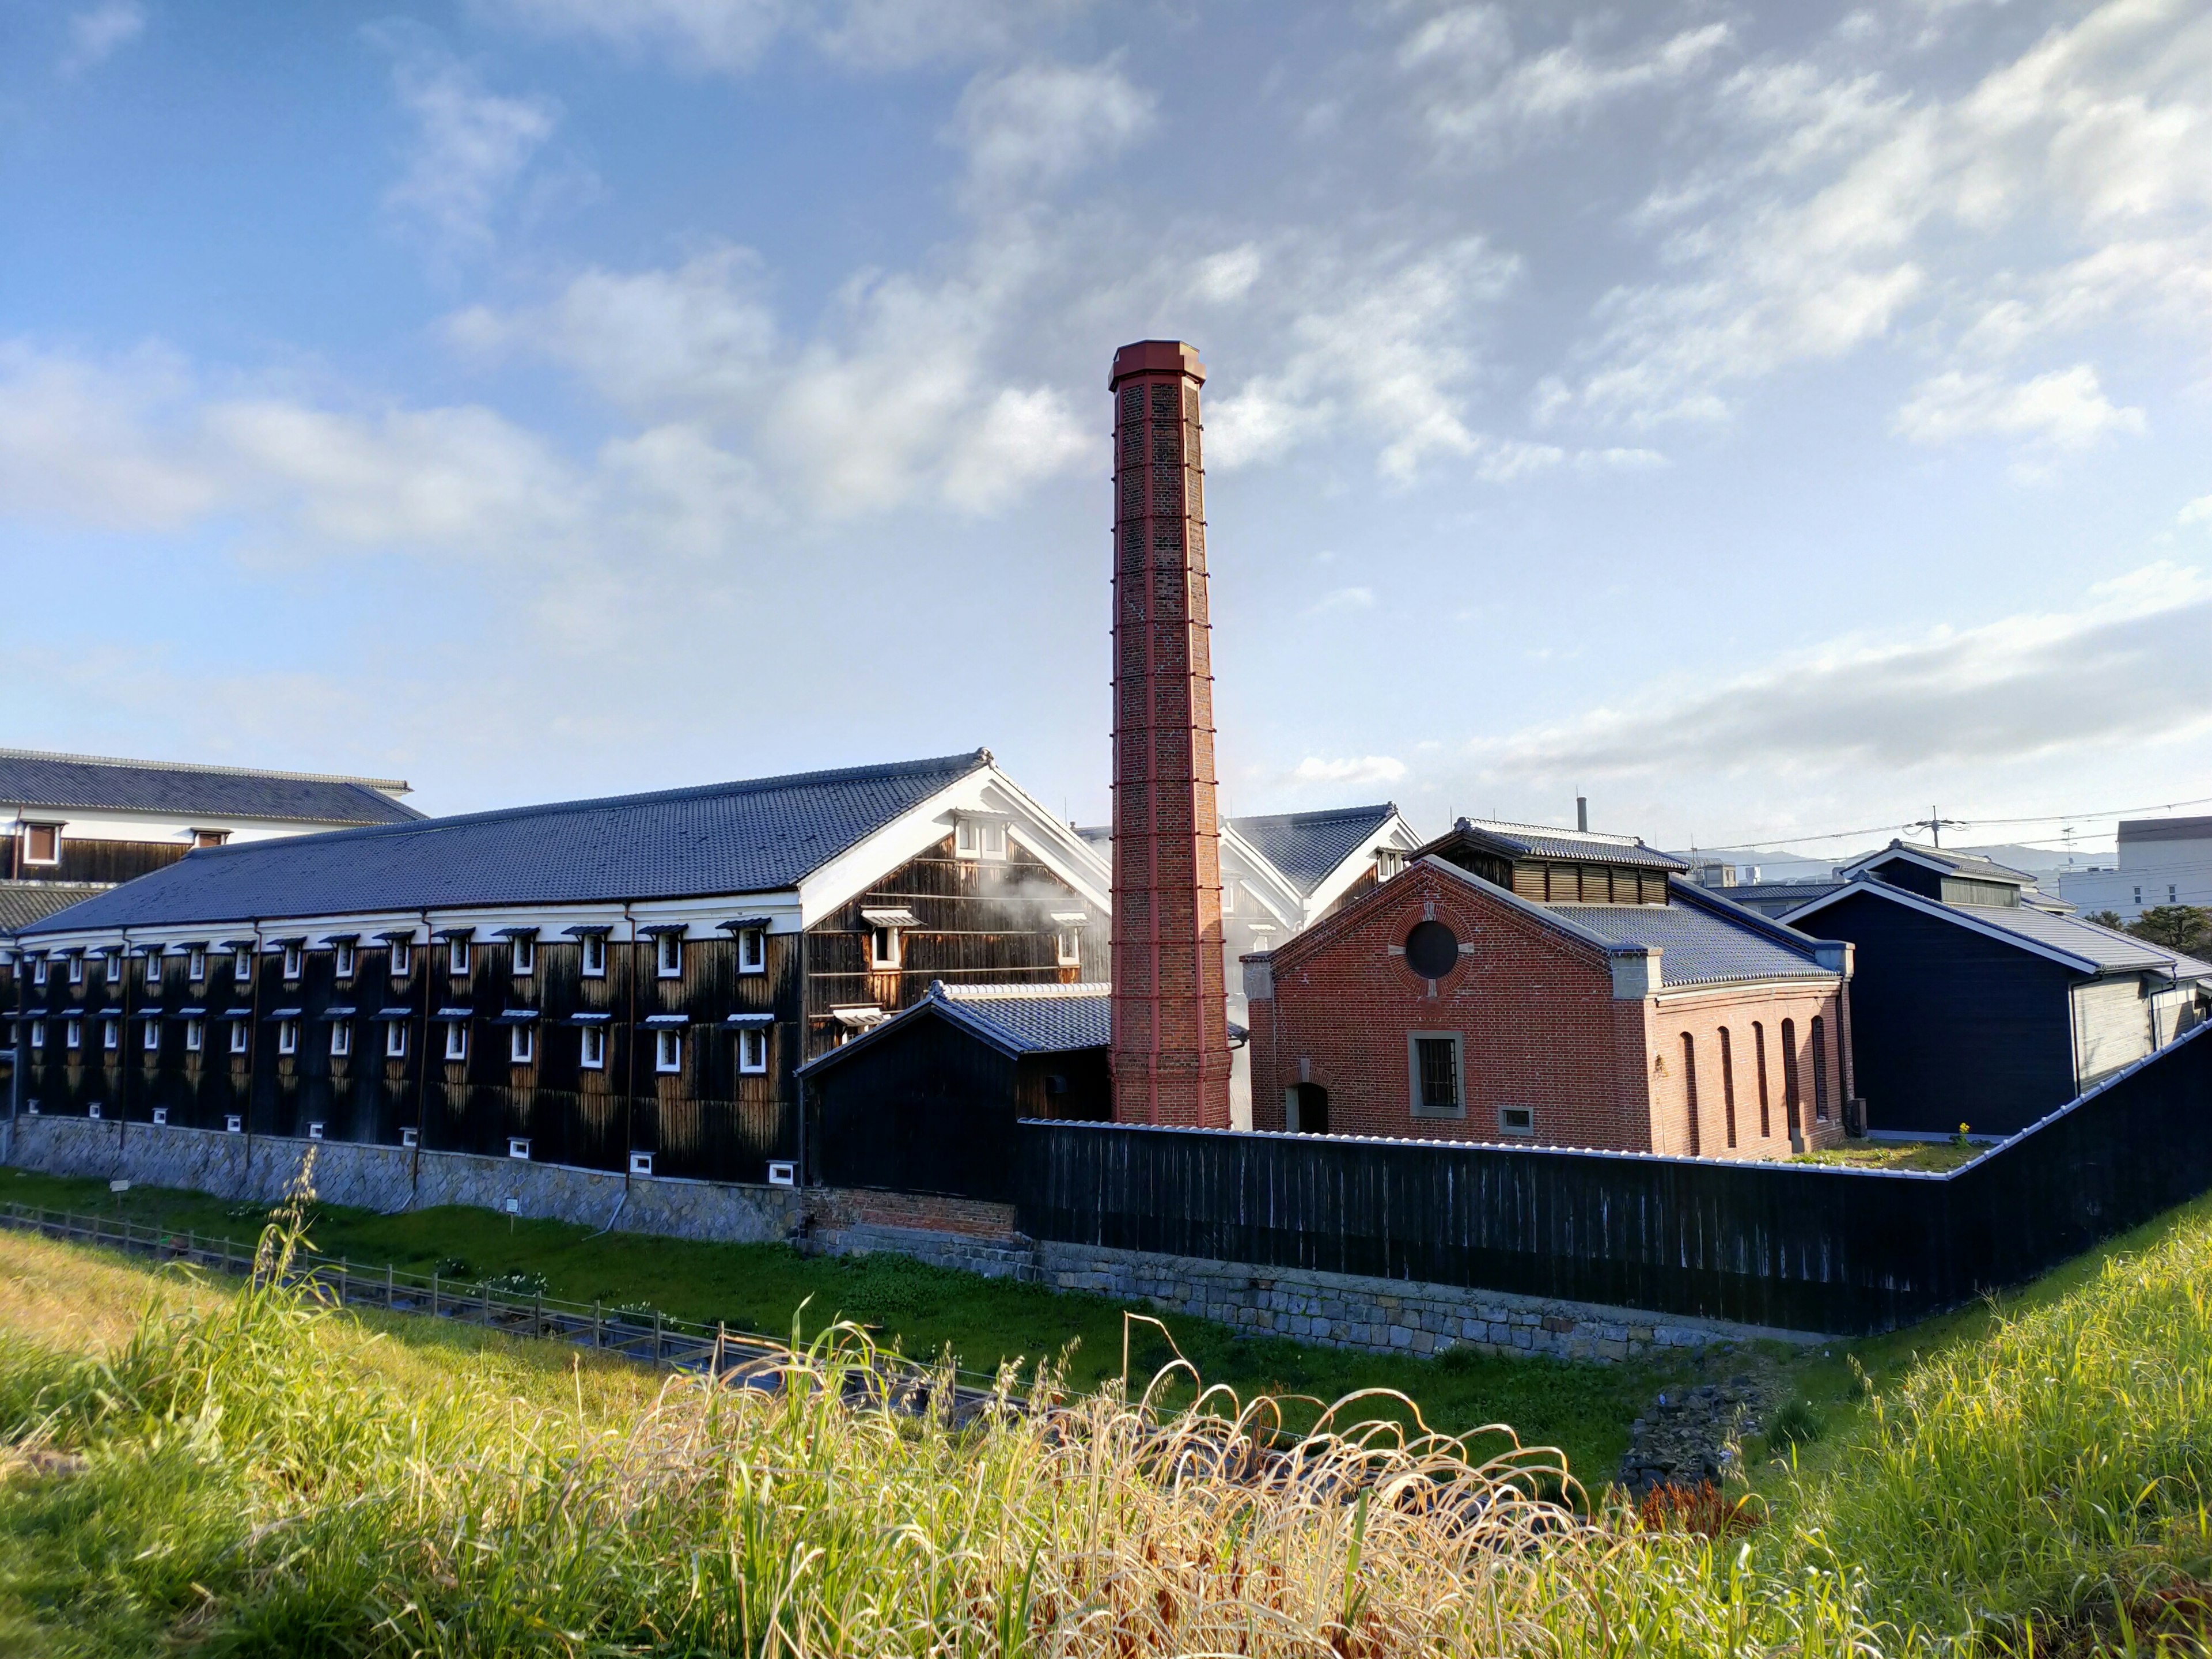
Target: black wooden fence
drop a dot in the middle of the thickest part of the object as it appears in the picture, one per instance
(1801, 1247)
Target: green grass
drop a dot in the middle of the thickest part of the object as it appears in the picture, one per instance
(1583, 1409)
(1928, 1156)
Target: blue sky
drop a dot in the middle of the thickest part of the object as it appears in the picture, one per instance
(1766, 421)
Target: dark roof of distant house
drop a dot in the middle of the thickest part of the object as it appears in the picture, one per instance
(1702, 938)
(1519, 840)
(22, 902)
(1015, 1019)
(1307, 846)
(2091, 947)
(31, 778)
(1971, 865)
(2135, 829)
(761, 835)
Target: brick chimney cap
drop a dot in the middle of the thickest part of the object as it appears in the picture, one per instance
(1156, 357)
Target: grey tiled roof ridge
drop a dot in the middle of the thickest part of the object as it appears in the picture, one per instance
(1719, 904)
(1329, 815)
(384, 785)
(1082, 988)
(420, 826)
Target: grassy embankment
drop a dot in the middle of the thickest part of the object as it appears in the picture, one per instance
(247, 1473)
(1583, 1409)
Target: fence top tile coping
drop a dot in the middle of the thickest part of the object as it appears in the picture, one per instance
(1523, 1149)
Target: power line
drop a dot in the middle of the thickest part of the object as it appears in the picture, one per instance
(1968, 823)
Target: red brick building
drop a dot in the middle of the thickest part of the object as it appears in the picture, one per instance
(1517, 983)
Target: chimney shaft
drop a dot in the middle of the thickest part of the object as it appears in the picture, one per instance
(1581, 813)
(1171, 1053)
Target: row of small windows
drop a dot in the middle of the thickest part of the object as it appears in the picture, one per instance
(1791, 1095)
(668, 958)
(521, 1042)
(42, 842)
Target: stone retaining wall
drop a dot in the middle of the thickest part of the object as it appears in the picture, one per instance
(1342, 1310)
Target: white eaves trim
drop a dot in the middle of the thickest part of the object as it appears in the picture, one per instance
(986, 789)
(1395, 832)
(1875, 887)
(1250, 868)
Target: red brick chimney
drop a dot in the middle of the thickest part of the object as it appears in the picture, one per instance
(1170, 1016)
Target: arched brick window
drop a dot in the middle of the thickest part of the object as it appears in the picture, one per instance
(1792, 1111)
(1819, 1069)
(1728, 1087)
(1689, 1088)
(1758, 1048)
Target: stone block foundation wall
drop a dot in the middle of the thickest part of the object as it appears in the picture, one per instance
(1340, 1310)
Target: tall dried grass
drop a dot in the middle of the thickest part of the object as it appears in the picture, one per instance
(237, 1489)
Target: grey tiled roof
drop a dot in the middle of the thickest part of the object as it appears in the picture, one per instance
(24, 902)
(755, 837)
(1306, 846)
(1032, 1019)
(1538, 840)
(2107, 947)
(59, 782)
(1971, 865)
(1700, 941)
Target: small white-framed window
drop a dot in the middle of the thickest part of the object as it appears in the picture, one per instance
(42, 843)
(151, 1042)
(979, 838)
(668, 955)
(402, 957)
(195, 1036)
(209, 837)
(38, 971)
(38, 1034)
(752, 1052)
(288, 1036)
(343, 959)
(595, 956)
(73, 1034)
(160, 1117)
(521, 1044)
(884, 947)
(456, 954)
(241, 964)
(641, 1164)
(340, 1038)
(314, 1132)
(457, 1039)
(111, 967)
(295, 961)
(526, 955)
(752, 950)
(1389, 861)
(592, 1052)
(395, 1039)
(668, 1051)
(196, 964)
(1067, 947)
(238, 1036)
(155, 960)
(111, 1035)
(76, 969)
(2138, 895)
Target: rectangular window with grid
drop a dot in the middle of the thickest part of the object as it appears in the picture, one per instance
(668, 955)
(668, 1051)
(395, 1039)
(238, 1036)
(1433, 1058)
(521, 1044)
(595, 956)
(752, 950)
(403, 959)
(594, 1049)
(457, 1039)
(752, 1052)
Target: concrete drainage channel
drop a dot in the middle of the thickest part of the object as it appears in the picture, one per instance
(643, 1335)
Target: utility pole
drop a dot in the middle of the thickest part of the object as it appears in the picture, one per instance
(1935, 823)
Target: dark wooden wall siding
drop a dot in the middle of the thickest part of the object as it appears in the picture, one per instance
(925, 1109)
(980, 921)
(90, 860)
(1085, 1077)
(1792, 1246)
(1950, 1027)
(1579, 884)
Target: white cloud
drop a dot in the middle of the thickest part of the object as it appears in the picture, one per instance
(97, 34)
(730, 36)
(1356, 769)
(2024, 686)
(470, 146)
(1342, 599)
(1030, 128)
(2198, 512)
(2064, 409)
(1838, 208)
(102, 442)
(1478, 97)
(1022, 437)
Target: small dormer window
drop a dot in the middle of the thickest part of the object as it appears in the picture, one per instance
(152, 1041)
(113, 967)
(209, 837)
(42, 843)
(1067, 947)
(976, 838)
(341, 1039)
(1389, 861)
(111, 1035)
(402, 957)
(668, 1049)
(668, 955)
(752, 950)
(883, 947)
(595, 956)
(752, 1052)
(288, 1036)
(153, 970)
(593, 1049)
(73, 1034)
(238, 1036)
(241, 964)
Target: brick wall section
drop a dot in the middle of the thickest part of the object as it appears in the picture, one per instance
(1540, 1028)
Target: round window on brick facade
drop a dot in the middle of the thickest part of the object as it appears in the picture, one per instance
(1431, 949)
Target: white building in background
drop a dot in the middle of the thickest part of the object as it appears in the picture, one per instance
(2162, 861)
